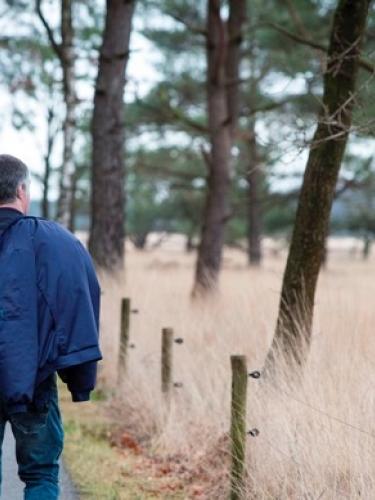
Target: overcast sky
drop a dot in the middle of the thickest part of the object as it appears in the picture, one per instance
(30, 146)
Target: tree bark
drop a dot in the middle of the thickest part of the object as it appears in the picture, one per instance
(366, 246)
(65, 53)
(73, 204)
(107, 233)
(254, 218)
(236, 20)
(222, 110)
(294, 324)
(51, 135)
(189, 244)
(67, 171)
(140, 240)
(45, 197)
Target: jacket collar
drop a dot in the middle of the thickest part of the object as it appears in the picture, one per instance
(9, 211)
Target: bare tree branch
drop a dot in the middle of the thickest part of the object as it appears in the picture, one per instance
(183, 118)
(168, 111)
(271, 106)
(199, 30)
(206, 157)
(348, 184)
(364, 64)
(51, 37)
(163, 171)
(297, 20)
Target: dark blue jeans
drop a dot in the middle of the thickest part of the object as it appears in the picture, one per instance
(39, 437)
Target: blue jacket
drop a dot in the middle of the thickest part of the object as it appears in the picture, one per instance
(49, 311)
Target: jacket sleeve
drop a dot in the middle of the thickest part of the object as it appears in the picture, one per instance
(79, 317)
(69, 283)
(81, 378)
(18, 329)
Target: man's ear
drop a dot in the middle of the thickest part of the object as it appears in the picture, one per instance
(19, 192)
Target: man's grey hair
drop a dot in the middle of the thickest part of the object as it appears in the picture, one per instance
(13, 172)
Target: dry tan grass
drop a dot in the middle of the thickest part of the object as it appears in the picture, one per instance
(317, 438)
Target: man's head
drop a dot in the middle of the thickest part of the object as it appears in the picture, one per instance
(14, 184)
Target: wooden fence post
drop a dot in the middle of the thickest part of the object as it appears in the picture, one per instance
(166, 361)
(238, 426)
(124, 338)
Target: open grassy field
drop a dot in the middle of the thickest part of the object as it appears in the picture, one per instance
(317, 435)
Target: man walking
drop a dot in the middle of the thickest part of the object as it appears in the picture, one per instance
(49, 325)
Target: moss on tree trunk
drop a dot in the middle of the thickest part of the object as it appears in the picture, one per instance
(294, 324)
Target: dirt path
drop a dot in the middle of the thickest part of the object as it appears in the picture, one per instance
(12, 487)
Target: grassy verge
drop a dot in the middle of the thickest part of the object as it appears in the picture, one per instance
(101, 470)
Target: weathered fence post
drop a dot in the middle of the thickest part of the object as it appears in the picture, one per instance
(166, 361)
(124, 337)
(238, 426)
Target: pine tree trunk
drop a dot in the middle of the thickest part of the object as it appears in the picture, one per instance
(73, 204)
(294, 324)
(189, 244)
(45, 197)
(366, 246)
(47, 163)
(65, 53)
(222, 110)
(108, 171)
(236, 20)
(67, 60)
(254, 218)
